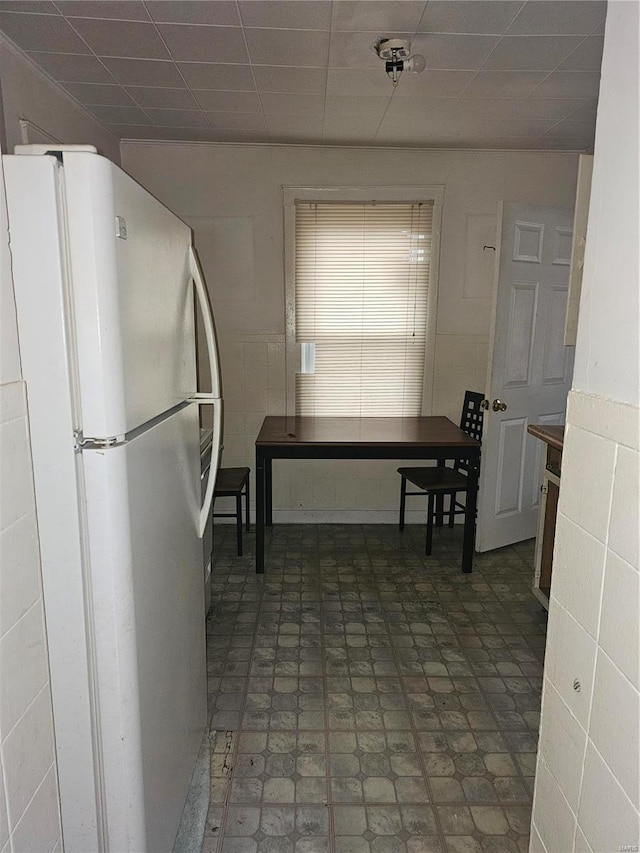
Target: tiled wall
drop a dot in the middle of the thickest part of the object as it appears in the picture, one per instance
(587, 788)
(29, 813)
(29, 819)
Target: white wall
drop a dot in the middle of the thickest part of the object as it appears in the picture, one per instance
(29, 815)
(51, 114)
(587, 786)
(232, 194)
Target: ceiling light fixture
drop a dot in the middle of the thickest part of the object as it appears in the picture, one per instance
(395, 53)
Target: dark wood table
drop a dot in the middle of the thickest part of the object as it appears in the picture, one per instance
(362, 438)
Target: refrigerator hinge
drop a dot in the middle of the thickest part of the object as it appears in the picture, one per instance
(80, 442)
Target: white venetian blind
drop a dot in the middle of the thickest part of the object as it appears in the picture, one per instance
(361, 293)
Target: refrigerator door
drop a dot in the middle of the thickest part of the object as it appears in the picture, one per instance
(143, 505)
(132, 296)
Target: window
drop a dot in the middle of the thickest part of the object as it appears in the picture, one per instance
(361, 301)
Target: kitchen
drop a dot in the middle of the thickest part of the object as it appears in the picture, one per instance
(208, 184)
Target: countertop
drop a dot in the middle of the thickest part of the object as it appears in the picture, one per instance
(551, 435)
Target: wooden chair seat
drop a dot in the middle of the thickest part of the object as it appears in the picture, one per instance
(233, 482)
(435, 479)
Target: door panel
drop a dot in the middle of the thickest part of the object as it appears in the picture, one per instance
(530, 369)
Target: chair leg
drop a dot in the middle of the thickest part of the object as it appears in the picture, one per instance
(239, 522)
(452, 508)
(430, 507)
(247, 502)
(403, 501)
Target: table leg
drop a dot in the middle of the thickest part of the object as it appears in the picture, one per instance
(470, 516)
(440, 500)
(268, 493)
(260, 484)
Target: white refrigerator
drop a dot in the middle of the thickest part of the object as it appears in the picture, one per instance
(105, 277)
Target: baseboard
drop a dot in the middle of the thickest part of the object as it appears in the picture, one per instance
(335, 516)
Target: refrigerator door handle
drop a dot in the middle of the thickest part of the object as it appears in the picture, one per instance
(216, 402)
(209, 327)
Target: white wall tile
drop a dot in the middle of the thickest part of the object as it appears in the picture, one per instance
(12, 401)
(19, 570)
(16, 484)
(578, 570)
(624, 531)
(27, 754)
(619, 623)
(9, 354)
(23, 663)
(562, 745)
(616, 699)
(606, 816)
(39, 828)
(570, 656)
(554, 820)
(586, 499)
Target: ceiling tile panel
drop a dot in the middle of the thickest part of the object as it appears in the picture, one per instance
(358, 81)
(581, 129)
(220, 12)
(569, 84)
(137, 131)
(469, 16)
(42, 7)
(287, 14)
(72, 68)
(345, 106)
(119, 115)
(237, 121)
(586, 111)
(42, 32)
(144, 72)
(295, 124)
(338, 129)
(356, 49)
(368, 16)
(531, 53)
(272, 78)
(240, 136)
(121, 38)
(123, 10)
(91, 93)
(586, 57)
(498, 84)
(305, 48)
(208, 75)
(204, 43)
(454, 51)
(440, 84)
(170, 99)
(234, 102)
(177, 118)
(570, 17)
(296, 104)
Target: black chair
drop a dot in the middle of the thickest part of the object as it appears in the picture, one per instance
(442, 480)
(233, 482)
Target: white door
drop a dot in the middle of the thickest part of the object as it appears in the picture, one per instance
(530, 369)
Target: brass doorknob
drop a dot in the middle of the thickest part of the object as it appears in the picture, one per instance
(498, 406)
(484, 405)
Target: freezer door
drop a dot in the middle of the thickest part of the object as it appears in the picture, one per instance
(132, 296)
(143, 504)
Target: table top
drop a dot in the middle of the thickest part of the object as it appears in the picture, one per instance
(428, 431)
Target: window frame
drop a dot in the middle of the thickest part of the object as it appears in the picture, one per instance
(361, 194)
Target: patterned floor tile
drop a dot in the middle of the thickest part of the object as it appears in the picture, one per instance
(367, 699)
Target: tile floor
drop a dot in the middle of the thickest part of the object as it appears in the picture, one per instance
(368, 699)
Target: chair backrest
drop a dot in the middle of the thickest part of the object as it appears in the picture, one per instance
(472, 414)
